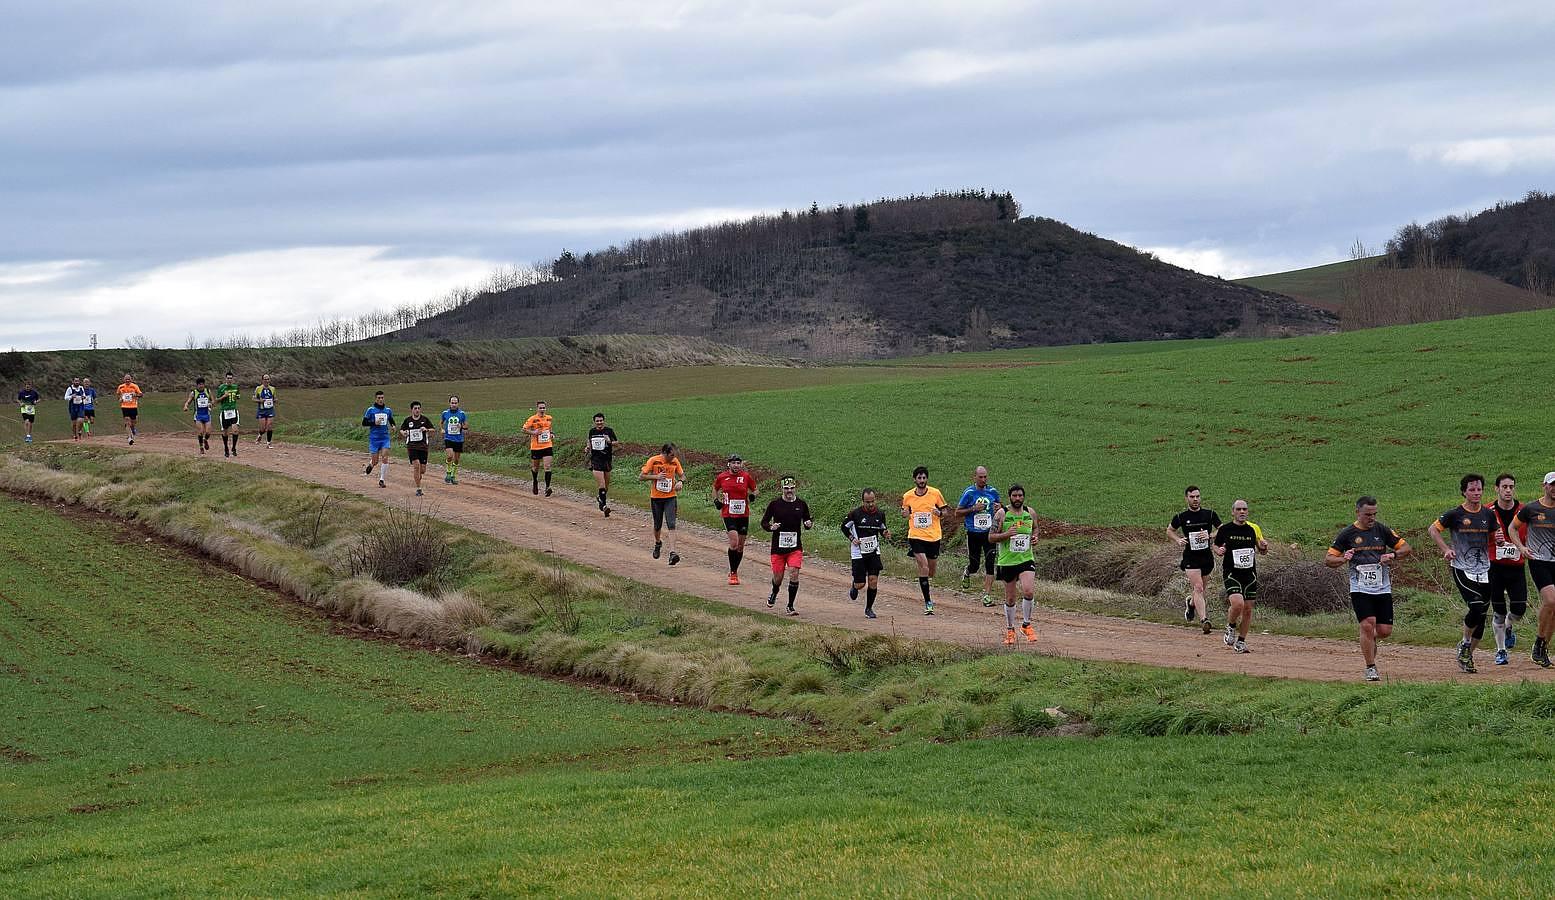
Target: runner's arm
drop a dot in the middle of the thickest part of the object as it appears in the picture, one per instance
(998, 534)
(1435, 531)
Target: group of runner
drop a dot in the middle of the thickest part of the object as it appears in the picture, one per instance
(81, 405)
(222, 403)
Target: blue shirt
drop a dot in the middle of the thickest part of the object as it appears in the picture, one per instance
(29, 397)
(450, 415)
(88, 397)
(969, 497)
(375, 430)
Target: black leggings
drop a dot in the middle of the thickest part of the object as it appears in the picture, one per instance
(1508, 588)
(979, 549)
(1477, 596)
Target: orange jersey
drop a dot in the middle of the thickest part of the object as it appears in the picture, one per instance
(923, 525)
(129, 395)
(665, 474)
(542, 424)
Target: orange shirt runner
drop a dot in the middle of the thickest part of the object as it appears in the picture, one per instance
(541, 424)
(665, 474)
(129, 395)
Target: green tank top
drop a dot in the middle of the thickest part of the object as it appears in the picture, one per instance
(1022, 524)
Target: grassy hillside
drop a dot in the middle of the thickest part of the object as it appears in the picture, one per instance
(1318, 285)
(1479, 294)
(193, 733)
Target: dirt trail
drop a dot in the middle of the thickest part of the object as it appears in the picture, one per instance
(569, 525)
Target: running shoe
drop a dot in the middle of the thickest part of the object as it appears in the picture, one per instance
(1465, 657)
(447, 478)
(381, 484)
(418, 492)
(1511, 636)
(987, 600)
(733, 578)
(792, 611)
(132, 442)
(1371, 674)
(1206, 625)
(772, 601)
(966, 582)
(674, 557)
(1230, 637)
(29, 438)
(657, 546)
(1009, 637)
(1541, 653)
(1501, 658)
(534, 489)
(1240, 646)
(269, 446)
(1029, 632)
(852, 593)
(1187, 609)
(870, 614)
(368, 470)
(928, 608)
(548, 492)
(607, 512)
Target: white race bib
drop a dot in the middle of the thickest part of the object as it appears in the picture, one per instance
(665, 484)
(453, 426)
(788, 540)
(598, 442)
(544, 437)
(28, 409)
(380, 419)
(1020, 543)
(922, 519)
(417, 435)
(126, 397)
(736, 507)
(1242, 558)
(1477, 577)
(268, 403)
(1369, 576)
(1508, 551)
(869, 544)
(1198, 540)
(228, 415)
(982, 521)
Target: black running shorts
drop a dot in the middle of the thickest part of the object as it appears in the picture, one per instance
(417, 454)
(929, 549)
(663, 512)
(865, 566)
(738, 526)
(1244, 583)
(1366, 606)
(455, 446)
(1203, 561)
(1008, 574)
(1543, 573)
(979, 552)
(28, 417)
(542, 454)
(130, 412)
(599, 464)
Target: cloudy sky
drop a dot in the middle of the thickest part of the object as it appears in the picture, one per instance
(196, 168)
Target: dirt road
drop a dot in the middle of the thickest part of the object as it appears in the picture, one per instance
(570, 525)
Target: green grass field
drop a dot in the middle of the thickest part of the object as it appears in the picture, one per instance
(1319, 283)
(173, 728)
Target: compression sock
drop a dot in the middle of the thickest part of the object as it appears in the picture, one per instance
(534, 480)
(773, 598)
(1009, 616)
(1025, 610)
(923, 585)
(793, 591)
(601, 498)
(454, 471)
(547, 477)
(734, 560)
(383, 469)
(869, 598)
(1498, 625)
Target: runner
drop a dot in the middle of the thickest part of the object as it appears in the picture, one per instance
(1369, 548)
(455, 424)
(1015, 533)
(864, 527)
(27, 402)
(1191, 529)
(264, 412)
(378, 419)
(88, 407)
(976, 508)
(1473, 530)
(787, 517)
(75, 397)
(665, 477)
(1508, 584)
(602, 452)
(733, 491)
(538, 427)
(416, 431)
(923, 507)
(1239, 542)
(200, 397)
(129, 404)
(1539, 547)
(227, 394)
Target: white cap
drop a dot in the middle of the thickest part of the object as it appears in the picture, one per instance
(1549, 477)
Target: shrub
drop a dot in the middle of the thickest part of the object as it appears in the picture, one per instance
(402, 548)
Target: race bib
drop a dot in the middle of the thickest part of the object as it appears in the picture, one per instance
(665, 484)
(380, 419)
(982, 521)
(417, 435)
(1020, 543)
(126, 397)
(1369, 576)
(869, 544)
(453, 427)
(788, 540)
(202, 402)
(28, 409)
(1198, 540)
(268, 403)
(1508, 551)
(598, 442)
(229, 415)
(544, 437)
(922, 519)
(1243, 558)
(736, 507)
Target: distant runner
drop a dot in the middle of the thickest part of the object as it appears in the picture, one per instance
(1508, 583)
(416, 431)
(129, 404)
(264, 412)
(787, 517)
(27, 403)
(75, 402)
(1191, 529)
(88, 407)
(977, 507)
(1539, 547)
(1015, 534)
(455, 424)
(200, 399)
(602, 453)
(1238, 543)
(864, 528)
(378, 419)
(1473, 530)
(733, 491)
(1369, 548)
(923, 507)
(665, 477)
(227, 394)
(538, 427)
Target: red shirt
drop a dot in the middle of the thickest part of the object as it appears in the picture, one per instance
(736, 486)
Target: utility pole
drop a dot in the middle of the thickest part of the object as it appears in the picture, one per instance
(94, 340)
